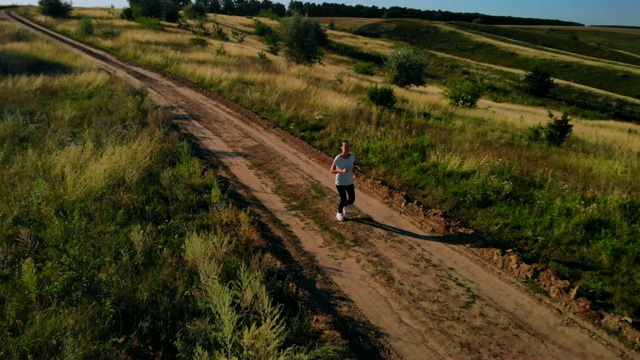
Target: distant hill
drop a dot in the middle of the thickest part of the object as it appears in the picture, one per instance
(342, 10)
(616, 26)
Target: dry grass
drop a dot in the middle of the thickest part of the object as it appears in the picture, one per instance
(87, 172)
(282, 81)
(347, 23)
(477, 163)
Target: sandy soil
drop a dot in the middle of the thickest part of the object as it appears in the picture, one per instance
(424, 292)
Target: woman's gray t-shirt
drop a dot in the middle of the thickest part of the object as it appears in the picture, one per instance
(342, 163)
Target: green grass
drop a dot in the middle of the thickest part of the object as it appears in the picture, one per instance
(115, 242)
(616, 39)
(432, 37)
(573, 207)
(569, 41)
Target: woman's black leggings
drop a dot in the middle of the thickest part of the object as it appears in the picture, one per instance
(347, 196)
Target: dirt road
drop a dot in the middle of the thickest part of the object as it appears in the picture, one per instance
(425, 293)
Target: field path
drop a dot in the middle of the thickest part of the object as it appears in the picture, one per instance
(425, 293)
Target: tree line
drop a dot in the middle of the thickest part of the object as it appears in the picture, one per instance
(256, 7)
(169, 10)
(342, 10)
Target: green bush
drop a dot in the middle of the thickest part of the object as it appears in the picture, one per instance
(558, 130)
(268, 35)
(127, 14)
(364, 68)
(219, 33)
(164, 10)
(382, 96)
(538, 81)
(261, 29)
(303, 39)
(465, 93)
(55, 8)
(535, 133)
(268, 14)
(85, 27)
(22, 35)
(273, 47)
(150, 23)
(194, 11)
(109, 33)
(405, 69)
(555, 133)
(237, 36)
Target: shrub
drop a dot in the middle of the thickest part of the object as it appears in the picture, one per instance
(199, 26)
(303, 39)
(150, 23)
(558, 130)
(555, 133)
(268, 35)
(109, 33)
(465, 93)
(22, 35)
(85, 27)
(274, 48)
(238, 36)
(538, 81)
(364, 68)
(405, 69)
(194, 11)
(332, 25)
(220, 50)
(268, 14)
(127, 14)
(382, 96)
(535, 133)
(219, 33)
(197, 41)
(261, 29)
(164, 10)
(55, 8)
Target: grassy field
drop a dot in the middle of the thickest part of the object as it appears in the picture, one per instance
(114, 241)
(574, 207)
(620, 39)
(560, 39)
(437, 38)
(502, 86)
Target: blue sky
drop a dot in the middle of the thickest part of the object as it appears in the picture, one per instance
(590, 12)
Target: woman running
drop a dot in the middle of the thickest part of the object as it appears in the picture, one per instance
(343, 168)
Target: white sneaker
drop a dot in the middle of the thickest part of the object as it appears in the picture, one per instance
(340, 217)
(344, 212)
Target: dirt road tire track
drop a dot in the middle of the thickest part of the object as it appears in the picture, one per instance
(437, 300)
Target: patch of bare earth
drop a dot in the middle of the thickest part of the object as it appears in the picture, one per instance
(426, 292)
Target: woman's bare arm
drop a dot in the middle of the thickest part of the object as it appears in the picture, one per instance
(335, 170)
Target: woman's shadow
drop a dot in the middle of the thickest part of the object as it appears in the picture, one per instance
(452, 239)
